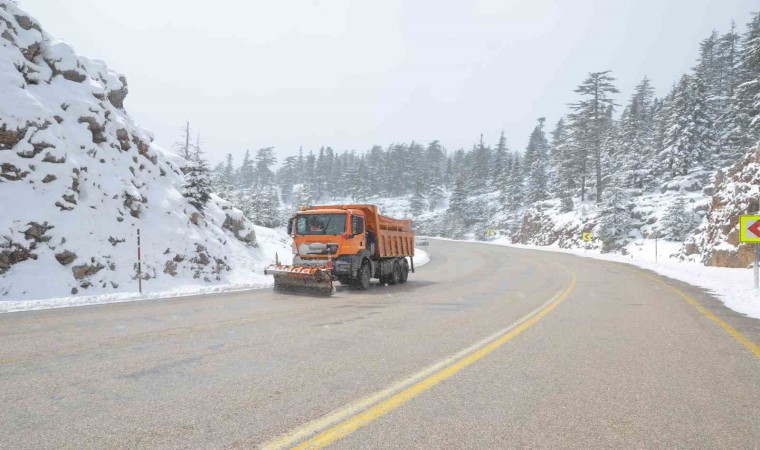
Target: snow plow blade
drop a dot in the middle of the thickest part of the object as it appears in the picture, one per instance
(314, 280)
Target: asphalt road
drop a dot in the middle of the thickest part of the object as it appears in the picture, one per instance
(484, 347)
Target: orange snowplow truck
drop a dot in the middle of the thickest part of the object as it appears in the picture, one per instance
(348, 243)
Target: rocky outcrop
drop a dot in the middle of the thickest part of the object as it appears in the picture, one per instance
(65, 257)
(537, 228)
(239, 226)
(736, 192)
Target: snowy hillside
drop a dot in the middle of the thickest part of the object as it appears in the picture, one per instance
(78, 178)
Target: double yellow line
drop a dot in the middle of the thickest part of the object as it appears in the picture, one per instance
(343, 421)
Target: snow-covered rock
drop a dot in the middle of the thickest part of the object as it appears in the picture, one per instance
(78, 178)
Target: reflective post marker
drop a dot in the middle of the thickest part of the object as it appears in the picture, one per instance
(139, 262)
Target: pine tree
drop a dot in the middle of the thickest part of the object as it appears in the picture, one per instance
(614, 221)
(261, 205)
(417, 202)
(246, 176)
(563, 172)
(636, 136)
(677, 221)
(513, 198)
(479, 173)
(500, 156)
(455, 214)
(589, 125)
(740, 125)
(197, 186)
(228, 173)
(536, 156)
(435, 195)
(262, 172)
(689, 137)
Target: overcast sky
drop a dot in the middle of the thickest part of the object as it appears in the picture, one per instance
(350, 74)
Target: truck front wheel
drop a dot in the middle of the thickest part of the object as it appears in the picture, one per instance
(362, 277)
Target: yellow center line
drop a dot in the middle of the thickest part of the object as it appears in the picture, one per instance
(360, 413)
(736, 334)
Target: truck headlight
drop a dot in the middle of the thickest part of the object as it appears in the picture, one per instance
(332, 248)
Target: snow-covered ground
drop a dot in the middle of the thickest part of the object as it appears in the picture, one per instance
(250, 277)
(734, 287)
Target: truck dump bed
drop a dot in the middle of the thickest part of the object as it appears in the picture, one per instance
(394, 237)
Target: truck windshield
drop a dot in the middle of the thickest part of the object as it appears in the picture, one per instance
(321, 224)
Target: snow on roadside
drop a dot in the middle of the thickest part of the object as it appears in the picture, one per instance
(734, 287)
(421, 257)
(246, 274)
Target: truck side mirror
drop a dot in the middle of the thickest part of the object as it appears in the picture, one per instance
(290, 225)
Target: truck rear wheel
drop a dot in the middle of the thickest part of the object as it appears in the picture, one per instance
(395, 276)
(404, 271)
(362, 277)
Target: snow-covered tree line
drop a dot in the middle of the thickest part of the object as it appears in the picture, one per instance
(605, 150)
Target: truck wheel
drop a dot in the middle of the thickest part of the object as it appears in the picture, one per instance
(404, 271)
(363, 277)
(395, 275)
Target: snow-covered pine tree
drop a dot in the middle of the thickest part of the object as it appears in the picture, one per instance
(228, 173)
(727, 54)
(614, 218)
(245, 176)
(749, 68)
(197, 186)
(301, 197)
(262, 172)
(479, 174)
(689, 136)
(589, 124)
(740, 125)
(417, 202)
(562, 172)
(309, 181)
(636, 131)
(261, 205)
(514, 188)
(435, 195)
(536, 156)
(500, 155)
(362, 188)
(218, 183)
(455, 214)
(677, 221)
(287, 176)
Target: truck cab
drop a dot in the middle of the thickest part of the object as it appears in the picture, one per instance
(328, 236)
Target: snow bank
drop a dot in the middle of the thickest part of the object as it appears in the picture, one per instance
(421, 257)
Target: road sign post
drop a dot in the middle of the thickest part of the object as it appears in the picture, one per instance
(139, 263)
(656, 253)
(757, 262)
(749, 231)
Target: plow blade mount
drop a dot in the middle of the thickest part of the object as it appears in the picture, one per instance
(316, 280)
